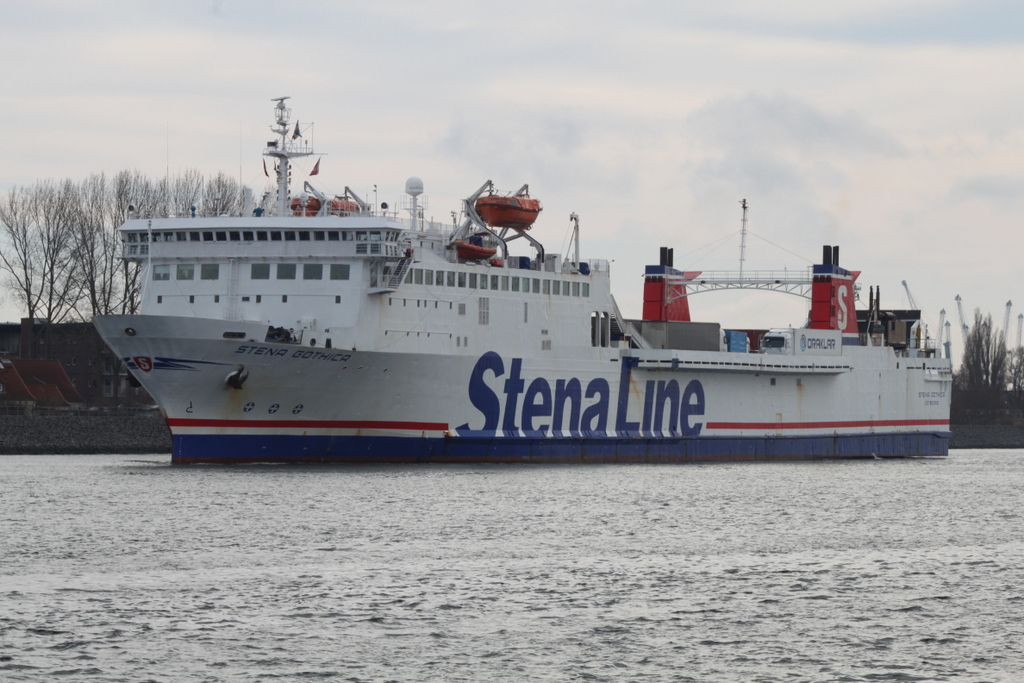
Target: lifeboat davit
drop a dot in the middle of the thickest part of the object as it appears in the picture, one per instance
(518, 213)
(473, 252)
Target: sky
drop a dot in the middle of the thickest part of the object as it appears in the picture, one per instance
(894, 129)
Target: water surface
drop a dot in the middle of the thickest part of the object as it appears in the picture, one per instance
(121, 568)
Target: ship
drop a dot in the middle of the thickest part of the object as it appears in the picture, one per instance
(316, 329)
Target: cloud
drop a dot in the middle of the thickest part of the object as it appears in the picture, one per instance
(1004, 190)
(786, 124)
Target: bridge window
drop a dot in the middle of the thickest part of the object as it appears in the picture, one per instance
(318, 235)
(208, 236)
(261, 235)
(333, 235)
(289, 235)
(161, 272)
(247, 235)
(259, 271)
(462, 279)
(439, 278)
(285, 271)
(586, 289)
(515, 284)
(303, 235)
(312, 271)
(450, 278)
(209, 271)
(339, 271)
(194, 237)
(556, 287)
(472, 280)
(275, 235)
(186, 271)
(575, 289)
(182, 236)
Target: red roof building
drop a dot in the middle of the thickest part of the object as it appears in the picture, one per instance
(29, 383)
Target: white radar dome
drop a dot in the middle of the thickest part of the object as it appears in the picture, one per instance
(414, 187)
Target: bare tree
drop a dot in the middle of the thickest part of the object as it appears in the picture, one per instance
(60, 279)
(185, 192)
(222, 195)
(20, 257)
(41, 256)
(979, 386)
(984, 363)
(98, 248)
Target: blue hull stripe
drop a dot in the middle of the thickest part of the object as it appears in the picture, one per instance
(227, 449)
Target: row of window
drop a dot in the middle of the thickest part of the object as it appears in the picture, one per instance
(245, 299)
(505, 283)
(266, 236)
(258, 271)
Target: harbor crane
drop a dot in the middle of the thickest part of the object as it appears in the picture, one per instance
(948, 344)
(1006, 322)
(963, 322)
(910, 297)
(942, 325)
(1020, 327)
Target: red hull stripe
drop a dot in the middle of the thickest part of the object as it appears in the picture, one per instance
(310, 424)
(828, 425)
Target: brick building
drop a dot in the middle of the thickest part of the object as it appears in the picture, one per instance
(98, 376)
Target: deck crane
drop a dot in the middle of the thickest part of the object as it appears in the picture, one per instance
(1006, 323)
(963, 322)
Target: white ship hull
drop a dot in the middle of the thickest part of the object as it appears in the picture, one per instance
(301, 404)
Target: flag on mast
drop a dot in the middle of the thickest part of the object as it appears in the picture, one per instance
(265, 168)
(316, 168)
(296, 133)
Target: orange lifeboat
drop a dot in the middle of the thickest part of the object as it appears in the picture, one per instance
(518, 213)
(473, 252)
(342, 207)
(311, 208)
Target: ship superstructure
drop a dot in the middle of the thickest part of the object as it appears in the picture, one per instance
(318, 328)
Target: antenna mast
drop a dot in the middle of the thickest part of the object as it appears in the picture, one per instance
(743, 236)
(282, 150)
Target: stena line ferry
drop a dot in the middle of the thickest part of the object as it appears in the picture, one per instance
(323, 329)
